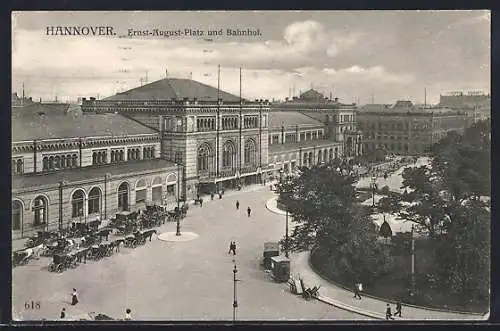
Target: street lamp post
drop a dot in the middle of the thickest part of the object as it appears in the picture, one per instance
(412, 252)
(178, 216)
(286, 217)
(374, 185)
(235, 300)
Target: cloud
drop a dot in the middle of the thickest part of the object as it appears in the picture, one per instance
(394, 58)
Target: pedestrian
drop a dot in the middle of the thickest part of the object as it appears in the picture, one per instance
(201, 202)
(398, 308)
(212, 195)
(234, 247)
(220, 195)
(74, 297)
(128, 314)
(357, 289)
(237, 205)
(230, 247)
(388, 314)
(63, 313)
(249, 211)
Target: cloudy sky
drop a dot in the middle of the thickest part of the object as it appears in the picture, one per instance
(359, 55)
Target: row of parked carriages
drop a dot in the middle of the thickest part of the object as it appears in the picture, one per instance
(89, 241)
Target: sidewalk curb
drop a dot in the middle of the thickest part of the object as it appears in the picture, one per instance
(392, 301)
(273, 209)
(352, 309)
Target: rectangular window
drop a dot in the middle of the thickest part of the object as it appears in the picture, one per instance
(276, 139)
(171, 189)
(140, 195)
(156, 193)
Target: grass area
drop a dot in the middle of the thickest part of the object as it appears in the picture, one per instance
(396, 283)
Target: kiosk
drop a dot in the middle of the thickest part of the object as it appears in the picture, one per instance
(280, 268)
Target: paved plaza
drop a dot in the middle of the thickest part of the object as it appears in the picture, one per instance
(190, 280)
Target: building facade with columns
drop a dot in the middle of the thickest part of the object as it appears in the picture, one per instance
(312, 129)
(69, 167)
(406, 129)
(218, 139)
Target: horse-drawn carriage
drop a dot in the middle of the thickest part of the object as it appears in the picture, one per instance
(20, 257)
(62, 262)
(41, 237)
(297, 286)
(101, 250)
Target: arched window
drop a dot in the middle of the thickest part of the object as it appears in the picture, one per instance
(320, 156)
(228, 154)
(123, 190)
(19, 166)
(122, 154)
(305, 159)
(77, 203)
(94, 201)
(336, 152)
(310, 161)
(73, 160)
(45, 163)
(51, 162)
(204, 157)
(250, 151)
(17, 215)
(94, 158)
(330, 154)
(39, 211)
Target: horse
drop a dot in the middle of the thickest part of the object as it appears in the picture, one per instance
(35, 252)
(116, 244)
(149, 234)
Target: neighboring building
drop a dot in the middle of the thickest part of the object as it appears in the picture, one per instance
(477, 105)
(71, 167)
(312, 129)
(406, 129)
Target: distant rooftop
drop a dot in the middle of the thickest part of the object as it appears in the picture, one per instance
(62, 120)
(174, 88)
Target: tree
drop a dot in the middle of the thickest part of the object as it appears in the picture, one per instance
(445, 198)
(464, 255)
(329, 219)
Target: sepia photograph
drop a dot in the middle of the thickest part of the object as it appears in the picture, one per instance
(241, 166)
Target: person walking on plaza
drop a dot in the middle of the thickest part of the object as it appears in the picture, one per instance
(74, 297)
(232, 248)
(249, 211)
(357, 289)
(128, 315)
(388, 313)
(237, 205)
(212, 195)
(201, 202)
(63, 313)
(398, 308)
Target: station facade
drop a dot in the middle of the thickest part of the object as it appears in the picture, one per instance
(169, 140)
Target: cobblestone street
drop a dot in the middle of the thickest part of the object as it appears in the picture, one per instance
(179, 280)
